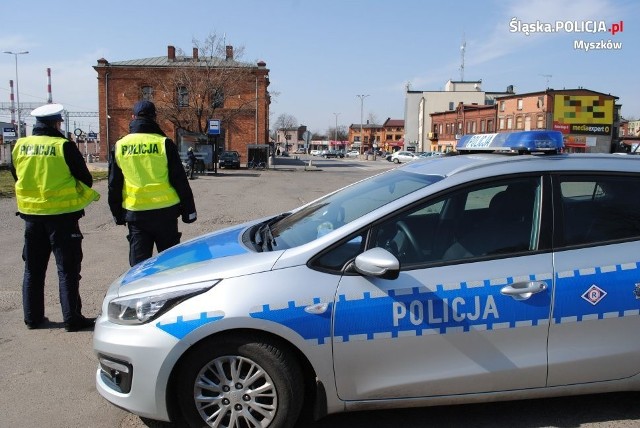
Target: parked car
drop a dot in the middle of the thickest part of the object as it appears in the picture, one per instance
(463, 279)
(300, 151)
(403, 156)
(315, 152)
(229, 159)
(352, 154)
(430, 154)
(329, 154)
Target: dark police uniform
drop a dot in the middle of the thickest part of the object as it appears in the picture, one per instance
(148, 189)
(53, 186)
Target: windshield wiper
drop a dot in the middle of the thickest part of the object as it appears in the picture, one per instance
(264, 234)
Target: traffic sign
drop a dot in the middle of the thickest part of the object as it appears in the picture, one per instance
(8, 132)
(214, 127)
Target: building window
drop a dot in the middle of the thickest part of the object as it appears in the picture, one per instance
(217, 98)
(519, 122)
(483, 126)
(501, 105)
(540, 102)
(489, 125)
(183, 96)
(147, 93)
(540, 121)
(474, 127)
(509, 122)
(519, 103)
(501, 123)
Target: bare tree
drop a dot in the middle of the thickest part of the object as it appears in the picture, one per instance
(286, 123)
(341, 135)
(372, 119)
(209, 84)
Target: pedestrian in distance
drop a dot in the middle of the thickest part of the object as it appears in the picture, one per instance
(148, 189)
(53, 186)
(191, 161)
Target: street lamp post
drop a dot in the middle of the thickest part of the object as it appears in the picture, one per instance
(336, 130)
(15, 54)
(362, 97)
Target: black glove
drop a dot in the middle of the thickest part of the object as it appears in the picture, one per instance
(189, 218)
(119, 221)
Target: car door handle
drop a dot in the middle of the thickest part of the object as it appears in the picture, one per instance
(523, 290)
(317, 309)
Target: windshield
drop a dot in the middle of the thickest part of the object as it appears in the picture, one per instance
(335, 210)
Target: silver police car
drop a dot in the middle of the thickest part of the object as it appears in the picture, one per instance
(454, 279)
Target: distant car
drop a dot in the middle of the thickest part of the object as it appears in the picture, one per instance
(430, 154)
(352, 154)
(403, 156)
(300, 151)
(315, 152)
(229, 159)
(329, 154)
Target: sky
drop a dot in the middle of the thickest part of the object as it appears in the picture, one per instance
(322, 54)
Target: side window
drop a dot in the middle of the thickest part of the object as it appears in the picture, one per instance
(599, 209)
(337, 257)
(480, 221)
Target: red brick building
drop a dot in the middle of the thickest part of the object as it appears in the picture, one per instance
(241, 102)
(448, 126)
(587, 119)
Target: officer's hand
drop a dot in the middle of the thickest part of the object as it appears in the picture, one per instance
(119, 221)
(189, 218)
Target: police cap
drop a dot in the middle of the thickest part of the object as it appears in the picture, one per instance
(144, 109)
(49, 113)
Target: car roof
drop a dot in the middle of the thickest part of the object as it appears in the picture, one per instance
(496, 164)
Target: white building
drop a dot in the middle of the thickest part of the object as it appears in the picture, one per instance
(634, 128)
(420, 104)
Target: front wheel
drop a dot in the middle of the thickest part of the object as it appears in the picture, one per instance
(396, 160)
(240, 382)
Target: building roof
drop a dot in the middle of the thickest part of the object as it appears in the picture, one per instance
(179, 61)
(576, 91)
(393, 122)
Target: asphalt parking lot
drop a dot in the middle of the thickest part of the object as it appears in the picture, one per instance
(47, 375)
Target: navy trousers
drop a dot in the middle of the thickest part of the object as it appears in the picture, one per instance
(143, 235)
(64, 239)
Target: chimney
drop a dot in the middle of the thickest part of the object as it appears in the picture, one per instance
(171, 53)
(195, 54)
(229, 52)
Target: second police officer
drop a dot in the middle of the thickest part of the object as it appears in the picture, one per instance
(148, 189)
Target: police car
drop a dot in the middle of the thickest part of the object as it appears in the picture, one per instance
(453, 279)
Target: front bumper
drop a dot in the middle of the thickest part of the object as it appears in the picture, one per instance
(134, 366)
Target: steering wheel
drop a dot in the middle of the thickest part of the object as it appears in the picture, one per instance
(414, 250)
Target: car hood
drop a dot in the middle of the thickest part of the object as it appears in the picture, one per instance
(213, 256)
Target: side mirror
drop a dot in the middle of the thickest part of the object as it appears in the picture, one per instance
(377, 262)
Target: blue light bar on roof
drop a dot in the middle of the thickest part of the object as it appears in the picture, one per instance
(521, 142)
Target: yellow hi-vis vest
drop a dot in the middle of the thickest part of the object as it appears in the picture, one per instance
(45, 185)
(143, 161)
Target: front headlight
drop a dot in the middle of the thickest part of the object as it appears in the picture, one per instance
(144, 307)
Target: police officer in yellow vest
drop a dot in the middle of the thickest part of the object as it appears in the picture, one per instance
(148, 189)
(53, 186)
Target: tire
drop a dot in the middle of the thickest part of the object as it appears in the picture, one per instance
(396, 160)
(215, 371)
